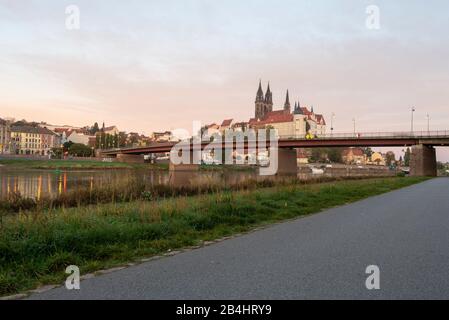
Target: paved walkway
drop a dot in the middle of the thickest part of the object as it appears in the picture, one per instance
(405, 233)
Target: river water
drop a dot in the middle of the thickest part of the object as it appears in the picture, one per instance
(50, 183)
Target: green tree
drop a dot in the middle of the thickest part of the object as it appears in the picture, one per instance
(334, 155)
(407, 157)
(390, 158)
(80, 150)
(67, 145)
(368, 151)
(95, 129)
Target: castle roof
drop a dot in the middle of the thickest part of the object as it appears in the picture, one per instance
(277, 116)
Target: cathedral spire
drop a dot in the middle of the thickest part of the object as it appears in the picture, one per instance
(298, 109)
(259, 96)
(269, 95)
(287, 106)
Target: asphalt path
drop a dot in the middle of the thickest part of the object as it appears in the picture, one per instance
(404, 233)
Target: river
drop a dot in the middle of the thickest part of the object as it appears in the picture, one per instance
(35, 184)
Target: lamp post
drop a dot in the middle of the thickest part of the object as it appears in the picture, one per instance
(413, 111)
(428, 124)
(353, 121)
(332, 124)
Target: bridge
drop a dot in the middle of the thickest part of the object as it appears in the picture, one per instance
(422, 163)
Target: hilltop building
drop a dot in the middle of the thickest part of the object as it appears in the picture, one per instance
(297, 123)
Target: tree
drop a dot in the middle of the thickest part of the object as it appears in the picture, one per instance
(368, 152)
(407, 157)
(94, 129)
(334, 155)
(122, 139)
(67, 145)
(80, 150)
(390, 158)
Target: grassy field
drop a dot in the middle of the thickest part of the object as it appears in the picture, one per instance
(35, 248)
(74, 164)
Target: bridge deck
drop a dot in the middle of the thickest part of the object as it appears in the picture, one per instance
(394, 139)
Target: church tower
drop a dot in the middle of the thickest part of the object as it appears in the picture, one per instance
(287, 106)
(260, 103)
(268, 100)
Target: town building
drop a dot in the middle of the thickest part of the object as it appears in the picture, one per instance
(5, 137)
(112, 130)
(162, 136)
(377, 159)
(80, 137)
(353, 156)
(28, 140)
(210, 130)
(226, 125)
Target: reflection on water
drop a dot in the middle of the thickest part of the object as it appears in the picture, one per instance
(45, 183)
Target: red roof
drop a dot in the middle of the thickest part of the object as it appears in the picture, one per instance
(306, 111)
(320, 119)
(226, 123)
(355, 151)
(277, 116)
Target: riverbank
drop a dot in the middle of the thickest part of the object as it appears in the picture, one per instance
(36, 248)
(76, 165)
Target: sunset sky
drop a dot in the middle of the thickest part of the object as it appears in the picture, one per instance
(155, 65)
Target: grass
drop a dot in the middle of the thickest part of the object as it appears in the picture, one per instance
(75, 164)
(35, 248)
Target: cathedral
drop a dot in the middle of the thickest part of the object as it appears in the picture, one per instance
(297, 123)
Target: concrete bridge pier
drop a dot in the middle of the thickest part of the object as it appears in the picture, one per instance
(130, 158)
(190, 165)
(287, 162)
(423, 161)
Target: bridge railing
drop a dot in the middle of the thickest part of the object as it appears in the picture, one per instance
(373, 135)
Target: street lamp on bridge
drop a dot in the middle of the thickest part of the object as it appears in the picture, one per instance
(332, 124)
(413, 111)
(428, 124)
(353, 121)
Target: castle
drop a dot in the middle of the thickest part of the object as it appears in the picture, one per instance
(298, 123)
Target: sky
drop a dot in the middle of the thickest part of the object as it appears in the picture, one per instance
(159, 65)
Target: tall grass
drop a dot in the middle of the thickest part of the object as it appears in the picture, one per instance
(135, 188)
(36, 248)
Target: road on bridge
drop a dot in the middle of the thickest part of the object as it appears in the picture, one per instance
(405, 233)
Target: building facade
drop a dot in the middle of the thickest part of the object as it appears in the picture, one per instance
(354, 156)
(5, 137)
(299, 123)
(27, 140)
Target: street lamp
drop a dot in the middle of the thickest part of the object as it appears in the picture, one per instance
(428, 124)
(332, 124)
(413, 111)
(353, 121)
